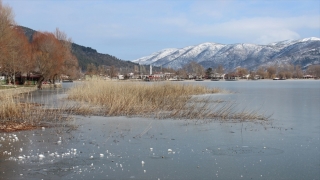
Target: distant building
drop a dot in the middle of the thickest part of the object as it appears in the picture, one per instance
(307, 76)
(121, 77)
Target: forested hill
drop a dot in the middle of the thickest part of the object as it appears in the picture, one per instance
(87, 55)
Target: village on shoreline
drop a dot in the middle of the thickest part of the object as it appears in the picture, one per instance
(19, 89)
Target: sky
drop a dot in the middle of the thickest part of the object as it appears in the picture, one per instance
(131, 29)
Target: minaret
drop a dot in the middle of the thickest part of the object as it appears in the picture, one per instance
(150, 69)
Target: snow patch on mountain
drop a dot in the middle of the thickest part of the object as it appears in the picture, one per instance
(299, 52)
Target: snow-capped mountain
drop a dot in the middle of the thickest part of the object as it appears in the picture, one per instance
(302, 52)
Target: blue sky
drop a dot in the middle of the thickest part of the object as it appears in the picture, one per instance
(130, 29)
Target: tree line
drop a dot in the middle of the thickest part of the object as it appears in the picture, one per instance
(47, 54)
(284, 71)
(194, 70)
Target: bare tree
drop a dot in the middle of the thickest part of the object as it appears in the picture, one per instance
(7, 24)
(314, 70)
(262, 73)
(102, 70)
(45, 52)
(241, 71)
(70, 62)
(194, 68)
(14, 46)
(220, 69)
(91, 69)
(21, 53)
(286, 71)
(271, 70)
(298, 73)
(113, 72)
(181, 73)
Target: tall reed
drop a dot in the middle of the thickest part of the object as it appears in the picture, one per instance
(18, 115)
(160, 100)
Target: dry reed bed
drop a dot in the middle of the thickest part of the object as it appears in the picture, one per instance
(158, 100)
(4, 93)
(16, 115)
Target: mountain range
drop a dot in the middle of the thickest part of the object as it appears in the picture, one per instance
(88, 55)
(303, 52)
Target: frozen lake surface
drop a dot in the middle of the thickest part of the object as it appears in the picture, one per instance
(141, 148)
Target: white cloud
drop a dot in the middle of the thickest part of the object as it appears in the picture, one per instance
(276, 35)
(258, 29)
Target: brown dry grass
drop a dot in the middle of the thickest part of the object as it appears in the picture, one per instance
(16, 115)
(135, 98)
(159, 100)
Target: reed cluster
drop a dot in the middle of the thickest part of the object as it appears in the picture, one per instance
(158, 100)
(135, 98)
(21, 115)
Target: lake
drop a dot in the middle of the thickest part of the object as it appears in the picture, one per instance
(287, 147)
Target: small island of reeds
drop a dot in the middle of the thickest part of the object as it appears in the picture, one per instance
(161, 100)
